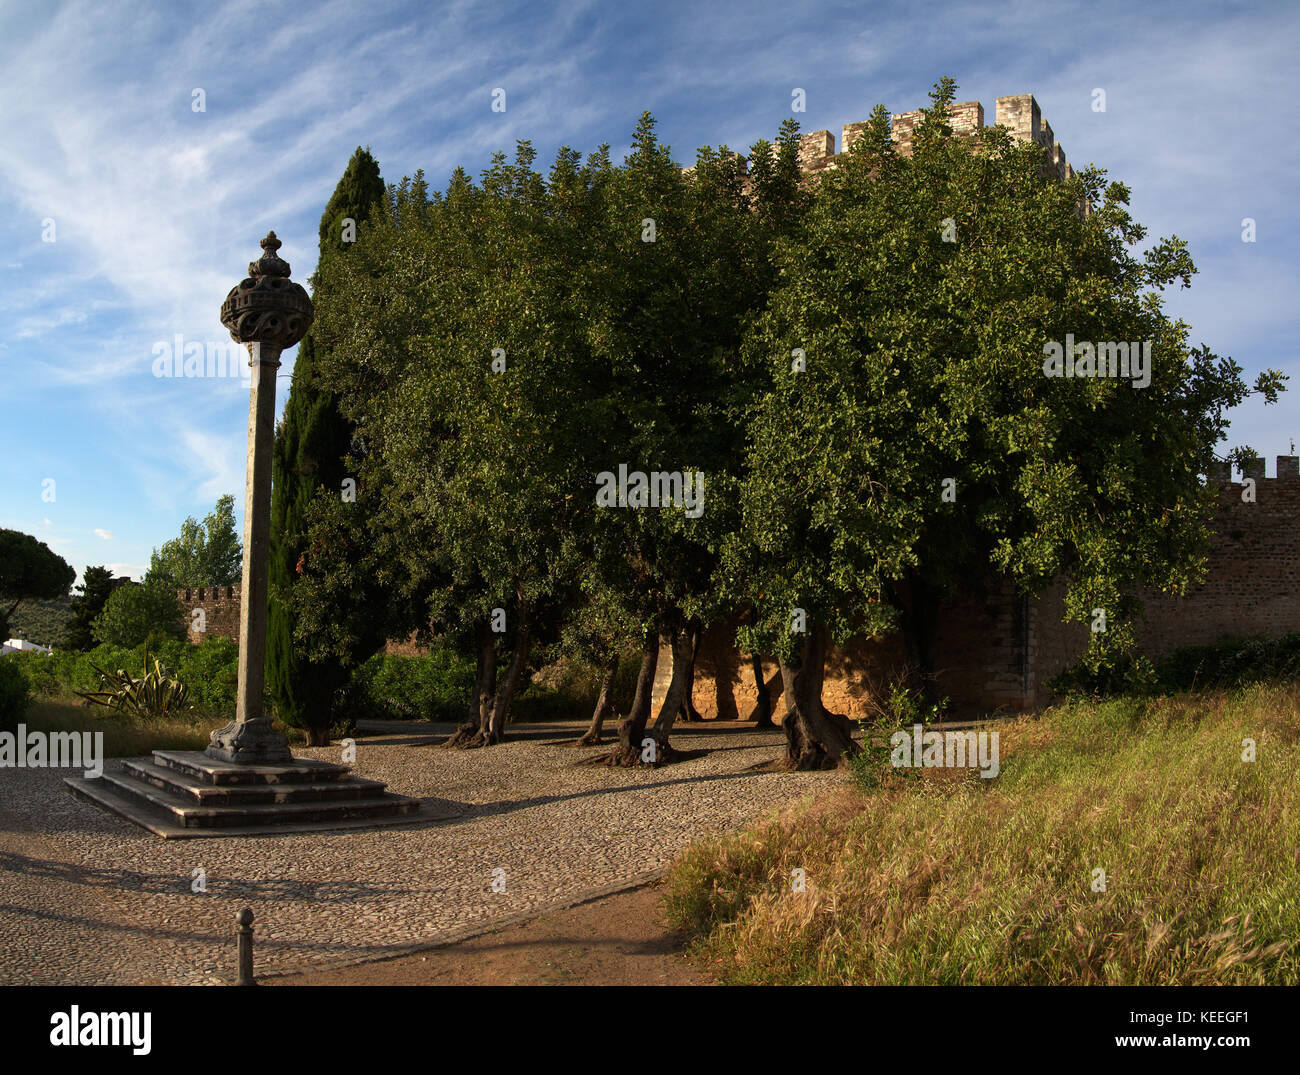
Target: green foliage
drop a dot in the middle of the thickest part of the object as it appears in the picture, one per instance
(925, 362)
(45, 621)
(205, 554)
(61, 672)
(905, 709)
(311, 445)
(391, 687)
(28, 569)
(1233, 662)
(140, 613)
(209, 670)
(15, 693)
(498, 346)
(98, 583)
(155, 695)
(1122, 673)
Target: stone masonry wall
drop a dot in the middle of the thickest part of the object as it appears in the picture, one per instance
(220, 605)
(996, 652)
(1252, 582)
(1020, 113)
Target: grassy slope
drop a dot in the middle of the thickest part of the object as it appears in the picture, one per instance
(953, 879)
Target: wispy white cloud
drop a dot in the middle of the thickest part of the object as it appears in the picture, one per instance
(158, 207)
(106, 535)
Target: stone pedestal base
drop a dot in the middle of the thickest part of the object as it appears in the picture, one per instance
(249, 742)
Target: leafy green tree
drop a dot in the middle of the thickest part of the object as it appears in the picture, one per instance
(311, 445)
(668, 327)
(29, 570)
(138, 613)
(97, 584)
(204, 554)
(509, 342)
(924, 447)
(462, 379)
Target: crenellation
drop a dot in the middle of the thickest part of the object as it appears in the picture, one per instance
(966, 118)
(816, 150)
(1020, 113)
(849, 134)
(220, 605)
(901, 127)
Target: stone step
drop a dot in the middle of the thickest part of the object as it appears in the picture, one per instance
(184, 812)
(200, 767)
(162, 822)
(183, 783)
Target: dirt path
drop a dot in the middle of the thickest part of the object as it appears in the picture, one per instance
(616, 940)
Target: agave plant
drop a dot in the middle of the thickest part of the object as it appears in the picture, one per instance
(155, 696)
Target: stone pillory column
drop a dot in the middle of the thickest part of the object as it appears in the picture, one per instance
(268, 313)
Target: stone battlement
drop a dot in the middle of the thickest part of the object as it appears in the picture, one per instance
(1288, 469)
(1020, 113)
(220, 605)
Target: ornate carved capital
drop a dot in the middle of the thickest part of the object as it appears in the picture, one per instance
(267, 307)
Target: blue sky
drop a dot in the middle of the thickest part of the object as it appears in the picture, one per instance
(157, 208)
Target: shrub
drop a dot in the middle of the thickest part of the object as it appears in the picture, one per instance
(1231, 663)
(874, 763)
(388, 687)
(538, 703)
(15, 693)
(211, 672)
(154, 696)
(138, 613)
(40, 669)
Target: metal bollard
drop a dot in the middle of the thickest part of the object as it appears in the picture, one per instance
(244, 931)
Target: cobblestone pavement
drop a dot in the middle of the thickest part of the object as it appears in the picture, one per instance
(87, 898)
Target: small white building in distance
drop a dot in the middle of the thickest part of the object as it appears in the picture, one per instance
(15, 645)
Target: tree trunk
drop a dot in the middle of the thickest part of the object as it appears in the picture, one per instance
(604, 705)
(683, 662)
(688, 711)
(631, 729)
(474, 731)
(815, 737)
(317, 736)
(506, 692)
(762, 707)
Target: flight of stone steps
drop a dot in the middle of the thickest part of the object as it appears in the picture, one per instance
(187, 794)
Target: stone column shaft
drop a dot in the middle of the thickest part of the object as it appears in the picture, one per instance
(265, 360)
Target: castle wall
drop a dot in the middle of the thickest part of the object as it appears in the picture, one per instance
(1251, 588)
(995, 652)
(220, 605)
(1019, 112)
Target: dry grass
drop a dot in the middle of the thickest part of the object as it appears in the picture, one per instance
(123, 737)
(953, 879)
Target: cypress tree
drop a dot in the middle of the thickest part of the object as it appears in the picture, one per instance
(310, 445)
